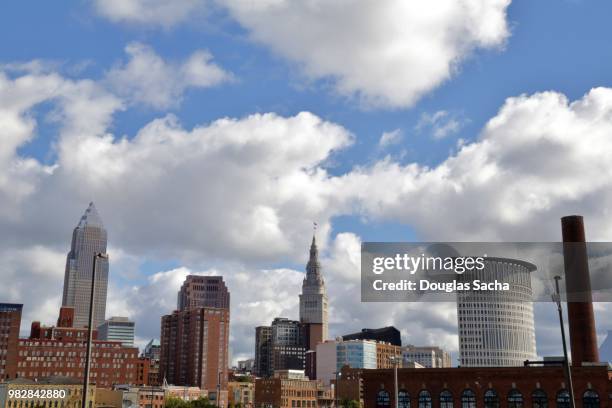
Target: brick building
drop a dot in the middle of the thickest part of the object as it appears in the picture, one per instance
(194, 348)
(291, 388)
(61, 351)
(10, 320)
(387, 355)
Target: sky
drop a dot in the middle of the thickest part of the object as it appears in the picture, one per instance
(211, 134)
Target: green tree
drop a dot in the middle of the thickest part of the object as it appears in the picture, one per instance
(346, 403)
(174, 402)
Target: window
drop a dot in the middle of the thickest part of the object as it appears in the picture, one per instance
(424, 399)
(563, 399)
(590, 399)
(491, 399)
(515, 399)
(403, 398)
(446, 399)
(468, 399)
(382, 399)
(539, 399)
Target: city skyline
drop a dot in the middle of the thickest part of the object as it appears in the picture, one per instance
(210, 138)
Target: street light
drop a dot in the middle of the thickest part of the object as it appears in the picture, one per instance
(568, 374)
(96, 256)
(394, 360)
(337, 397)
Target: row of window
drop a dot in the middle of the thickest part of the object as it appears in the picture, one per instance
(515, 399)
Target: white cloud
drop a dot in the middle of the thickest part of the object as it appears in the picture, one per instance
(390, 138)
(148, 79)
(149, 12)
(441, 123)
(386, 53)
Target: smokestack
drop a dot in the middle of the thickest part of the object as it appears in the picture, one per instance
(583, 340)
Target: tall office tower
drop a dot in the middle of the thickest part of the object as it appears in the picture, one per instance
(203, 291)
(117, 329)
(313, 301)
(288, 349)
(88, 239)
(263, 351)
(427, 356)
(10, 321)
(496, 329)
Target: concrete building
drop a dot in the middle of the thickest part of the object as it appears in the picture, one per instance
(10, 321)
(426, 356)
(313, 301)
(356, 354)
(246, 366)
(497, 329)
(263, 351)
(48, 392)
(118, 329)
(203, 291)
(291, 388)
(88, 238)
(387, 334)
(60, 351)
(195, 347)
(326, 361)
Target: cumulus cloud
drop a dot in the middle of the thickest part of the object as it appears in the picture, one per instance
(390, 138)
(148, 12)
(149, 80)
(386, 53)
(440, 123)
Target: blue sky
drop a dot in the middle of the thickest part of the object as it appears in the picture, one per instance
(559, 46)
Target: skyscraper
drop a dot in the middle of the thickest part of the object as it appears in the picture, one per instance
(497, 329)
(117, 329)
(263, 351)
(88, 238)
(203, 291)
(313, 301)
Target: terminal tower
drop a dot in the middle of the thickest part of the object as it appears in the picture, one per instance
(313, 301)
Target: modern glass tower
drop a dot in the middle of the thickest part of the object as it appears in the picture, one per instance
(88, 238)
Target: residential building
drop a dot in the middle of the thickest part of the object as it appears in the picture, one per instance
(194, 348)
(497, 329)
(426, 356)
(241, 393)
(10, 321)
(152, 352)
(117, 329)
(88, 239)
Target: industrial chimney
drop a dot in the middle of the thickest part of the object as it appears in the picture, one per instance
(583, 339)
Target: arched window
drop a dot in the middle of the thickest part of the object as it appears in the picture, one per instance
(383, 399)
(403, 398)
(424, 399)
(446, 399)
(539, 399)
(590, 399)
(468, 399)
(515, 399)
(491, 399)
(563, 399)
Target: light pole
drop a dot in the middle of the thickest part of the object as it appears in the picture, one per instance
(96, 256)
(394, 360)
(567, 370)
(337, 397)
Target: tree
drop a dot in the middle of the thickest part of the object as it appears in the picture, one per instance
(346, 403)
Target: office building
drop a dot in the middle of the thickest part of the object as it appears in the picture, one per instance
(117, 329)
(426, 356)
(194, 348)
(152, 352)
(388, 355)
(241, 394)
(383, 335)
(497, 329)
(246, 366)
(356, 354)
(88, 238)
(313, 302)
(203, 291)
(263, 351)
(10, 321)
(326, 361)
